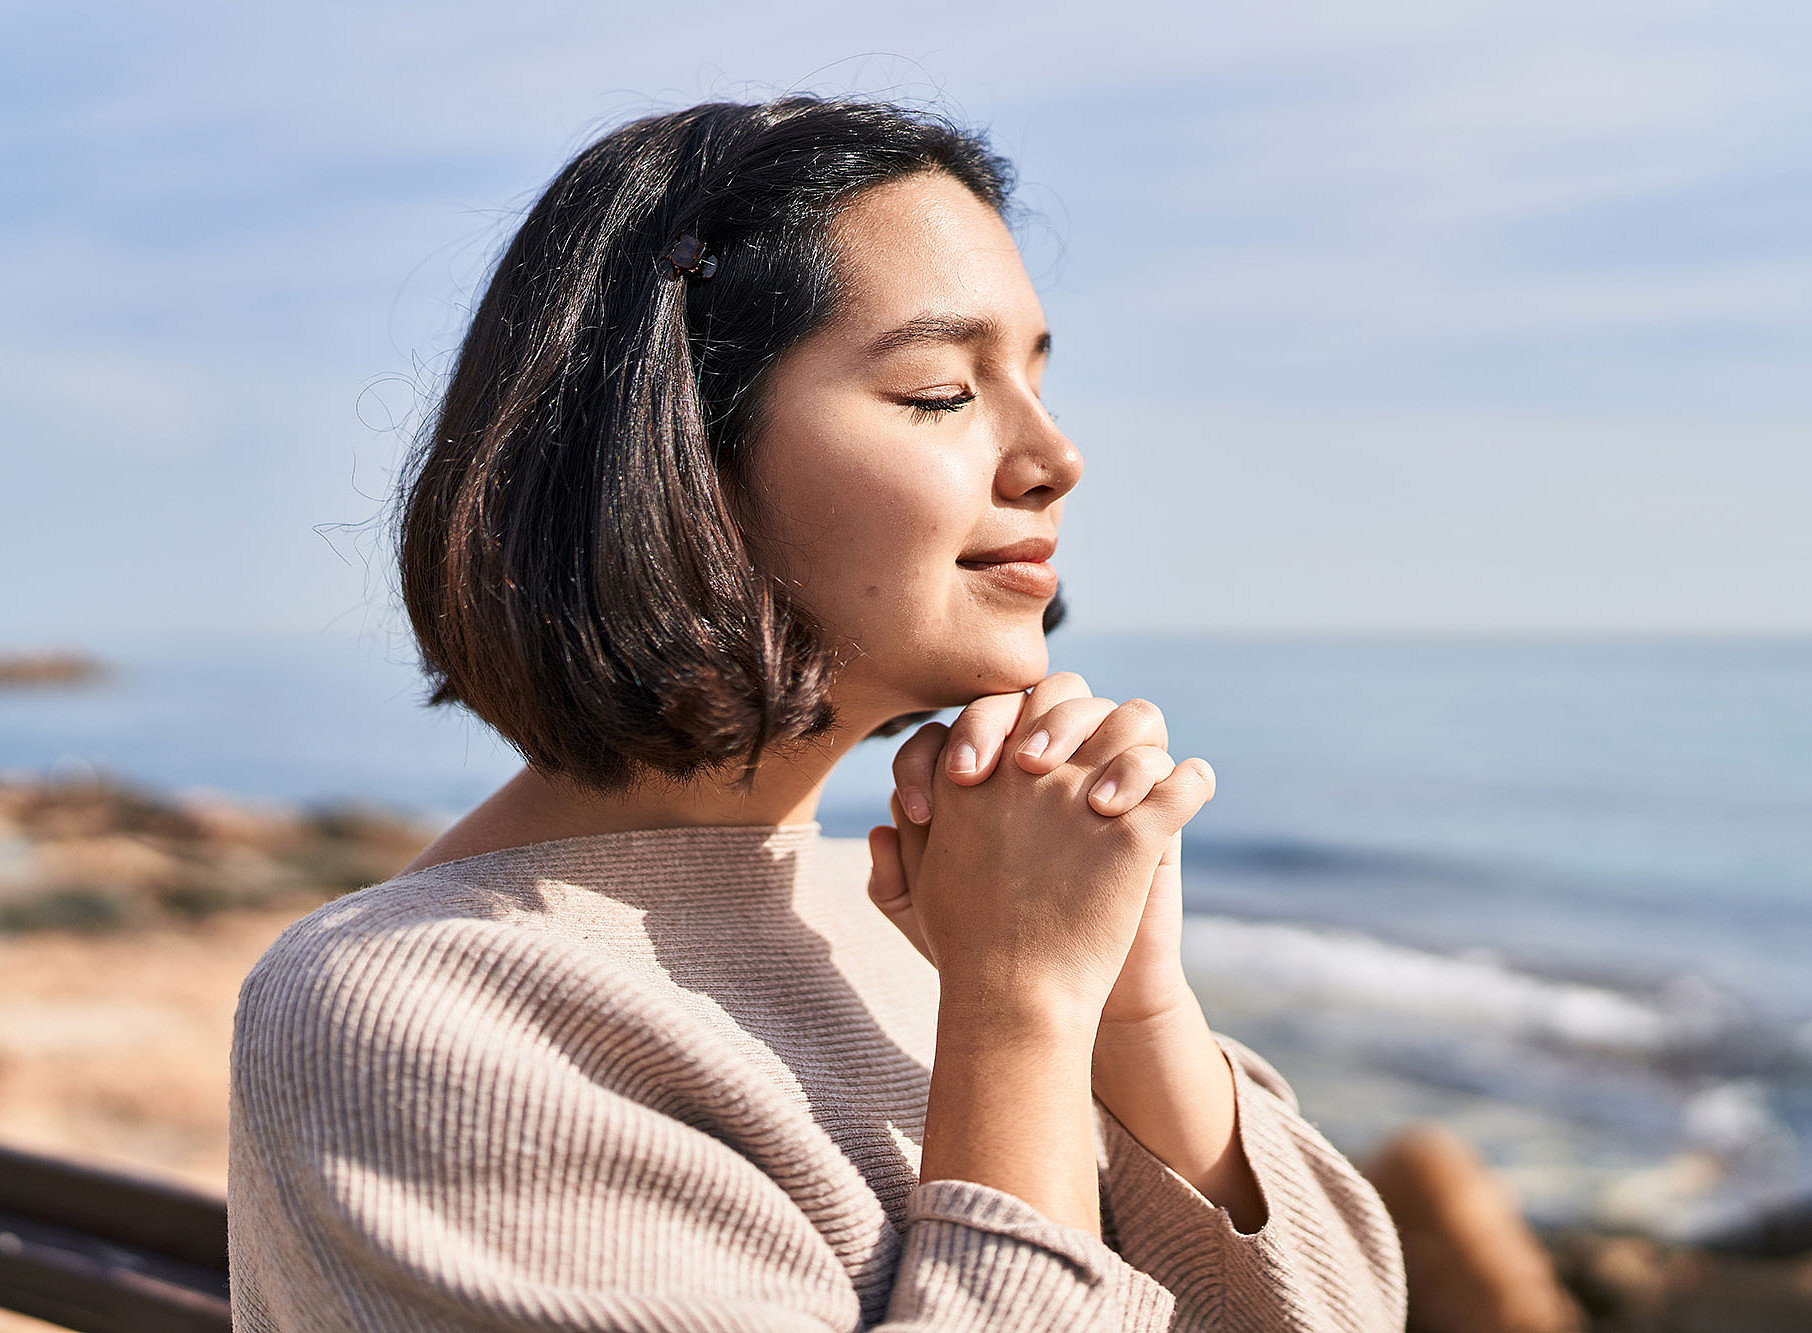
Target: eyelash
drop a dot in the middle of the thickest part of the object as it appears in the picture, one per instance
(926, 409)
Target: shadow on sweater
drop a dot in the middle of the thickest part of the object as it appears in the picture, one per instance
(775, 976)
(738, 941)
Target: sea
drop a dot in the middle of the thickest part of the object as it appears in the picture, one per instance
(1553, 892)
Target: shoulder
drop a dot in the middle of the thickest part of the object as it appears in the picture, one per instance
(410, 929)
(427, 969)
(412, 1069)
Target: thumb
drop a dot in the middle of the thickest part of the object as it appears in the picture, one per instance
(887, 886)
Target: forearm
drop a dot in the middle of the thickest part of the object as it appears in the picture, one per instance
(1010, 1106)
(1168, 1081)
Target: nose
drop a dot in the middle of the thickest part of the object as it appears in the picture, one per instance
(1040, 461)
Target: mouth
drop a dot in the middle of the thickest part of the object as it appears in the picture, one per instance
(1034, 578)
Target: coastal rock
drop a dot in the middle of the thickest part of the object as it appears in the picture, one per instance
(50, 668)
(99, 853)
(1633, 1284)
(1780, 1230)
(1473, 1264)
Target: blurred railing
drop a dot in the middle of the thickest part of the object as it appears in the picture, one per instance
(109, 1252)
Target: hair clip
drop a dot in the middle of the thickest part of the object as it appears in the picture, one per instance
(687, 255)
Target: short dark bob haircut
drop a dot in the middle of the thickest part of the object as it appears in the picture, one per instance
(572, 541)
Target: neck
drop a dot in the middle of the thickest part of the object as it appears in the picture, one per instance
(532, 807)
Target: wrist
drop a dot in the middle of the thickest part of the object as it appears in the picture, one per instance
(993, 1016)
(1128, 1055)
(1176, 1011)
(1170, 1083)
(1010, 1106)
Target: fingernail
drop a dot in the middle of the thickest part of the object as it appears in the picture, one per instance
(962, 760)
(1035, 744)
(918, 809)
(1105, 791)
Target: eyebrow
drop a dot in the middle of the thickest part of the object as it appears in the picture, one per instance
(933, 327)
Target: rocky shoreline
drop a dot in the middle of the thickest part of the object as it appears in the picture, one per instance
(51, 667)
(128, 918)
(94, 853)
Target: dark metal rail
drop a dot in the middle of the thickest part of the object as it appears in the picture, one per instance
(103, 1251)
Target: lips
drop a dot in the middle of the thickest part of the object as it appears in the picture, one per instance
(1018, 567)
(1028, 549)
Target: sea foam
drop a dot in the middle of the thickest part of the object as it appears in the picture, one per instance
(1342, 968)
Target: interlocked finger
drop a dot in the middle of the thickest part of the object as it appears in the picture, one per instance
(1043, 697)
(1135, 722)
(914, 765)
(1053, 737)
(1129, 778)
(976, 738)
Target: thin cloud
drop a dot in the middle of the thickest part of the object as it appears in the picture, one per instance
(222, 224)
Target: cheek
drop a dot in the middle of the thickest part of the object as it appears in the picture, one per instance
(876, 522)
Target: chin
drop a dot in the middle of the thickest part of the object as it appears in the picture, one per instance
(1012, 660)
(1002, 658)
(1016, 656)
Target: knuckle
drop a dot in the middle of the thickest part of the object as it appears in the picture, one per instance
(1005, 712)
(1143, 710)
(1070, 682)
(929, 735)
(1148, 718)
(970, 727)
(1155, 759)
(985, 711)
(1065, 711)
(1127, 831)
(1129, 763)
(973, 709)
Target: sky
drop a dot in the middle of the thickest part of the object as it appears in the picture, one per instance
(1394, 317)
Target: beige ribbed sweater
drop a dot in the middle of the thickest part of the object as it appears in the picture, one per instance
(675, 1080)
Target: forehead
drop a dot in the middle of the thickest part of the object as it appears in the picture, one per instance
(926, 243)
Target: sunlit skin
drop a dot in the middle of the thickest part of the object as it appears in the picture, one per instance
(903, 436)
(878, 469)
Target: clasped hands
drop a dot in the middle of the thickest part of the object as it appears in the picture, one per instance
(1039, 731)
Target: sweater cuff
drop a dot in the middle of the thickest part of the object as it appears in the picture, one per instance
(1168, 1228)
(976, 1257)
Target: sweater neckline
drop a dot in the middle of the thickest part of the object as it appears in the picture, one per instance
(766, 852)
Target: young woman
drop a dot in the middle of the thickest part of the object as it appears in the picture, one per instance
(743, 461)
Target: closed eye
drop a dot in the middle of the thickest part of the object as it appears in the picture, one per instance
(927, 409)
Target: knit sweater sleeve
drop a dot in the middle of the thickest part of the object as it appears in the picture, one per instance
(460, 1125)
(1325, 1260)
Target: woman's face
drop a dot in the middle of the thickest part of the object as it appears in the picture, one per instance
(905, 442)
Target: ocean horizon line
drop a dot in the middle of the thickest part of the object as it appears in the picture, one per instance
(395, 639)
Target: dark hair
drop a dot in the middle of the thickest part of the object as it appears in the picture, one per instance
(570, 548)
